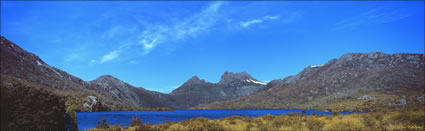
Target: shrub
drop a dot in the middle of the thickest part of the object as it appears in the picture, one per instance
(278, 122)
(293, 114)
(268, 117)
(369, 121)
(104, 124)
(408, 118)
(303, 112)
(136, 122)
(315, 124)
(33, 108)
(234, 118)
(343, 126)
(249, 126)
(263, 127)
(214, 126)
(115, 128)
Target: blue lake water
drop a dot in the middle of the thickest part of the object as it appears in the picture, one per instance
(87, 120)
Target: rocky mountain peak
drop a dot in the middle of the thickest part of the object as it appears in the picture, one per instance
(108, 79)
(194, 80)
(230, 78)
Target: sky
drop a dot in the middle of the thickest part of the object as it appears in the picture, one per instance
(160, 45)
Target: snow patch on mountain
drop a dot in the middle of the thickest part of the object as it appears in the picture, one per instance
(38, 63)
(256, 82)
(314, 66)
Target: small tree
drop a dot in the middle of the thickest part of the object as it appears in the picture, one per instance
(104, 124)
(136, 122)
(303, 112)
(335, 112)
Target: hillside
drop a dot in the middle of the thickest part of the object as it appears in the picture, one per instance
(355, 81)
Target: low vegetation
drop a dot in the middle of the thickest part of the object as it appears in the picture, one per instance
(392, 120)
(33, 108)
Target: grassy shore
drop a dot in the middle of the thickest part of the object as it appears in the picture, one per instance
(391, 120)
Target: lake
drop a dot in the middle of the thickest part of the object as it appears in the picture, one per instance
(87, 120)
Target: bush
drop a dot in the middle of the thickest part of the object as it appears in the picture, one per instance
(369, 121)
(278, 122)
(136, 122)
(33, 108)
(268, 117)
(343, 126)
(294, 114)
(408, 118)
(335, 112)
(315, 124)
(103, 125)
(303, 112)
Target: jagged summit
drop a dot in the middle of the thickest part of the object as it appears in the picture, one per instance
(194, 80)
(230, 78)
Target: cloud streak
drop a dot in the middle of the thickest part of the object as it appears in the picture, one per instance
(189, 27)
(246, 24)
(370, 17)
(108, 57)
(157, 34)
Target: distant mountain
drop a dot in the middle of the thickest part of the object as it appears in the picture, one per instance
(232, 85)
(124, 92)
(340, 82)
(20, 66)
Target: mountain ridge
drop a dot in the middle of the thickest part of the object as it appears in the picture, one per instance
(350, 75)
(109, 90)
(385, 76)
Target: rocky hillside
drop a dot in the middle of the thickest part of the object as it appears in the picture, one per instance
(20, 66)
(118, 90)
(388, 78)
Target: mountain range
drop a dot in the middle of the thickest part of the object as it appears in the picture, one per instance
(388, 77)
(354, 81)
(20, 66)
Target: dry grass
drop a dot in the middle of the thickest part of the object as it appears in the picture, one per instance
(397, 120)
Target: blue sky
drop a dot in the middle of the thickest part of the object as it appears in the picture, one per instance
(159, 45)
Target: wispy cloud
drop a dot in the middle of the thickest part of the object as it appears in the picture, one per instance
(155, 35)
(108, 57)
(188, 27)
(370, 17)
(246, 24)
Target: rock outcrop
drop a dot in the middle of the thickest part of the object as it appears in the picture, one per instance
(92, 104)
